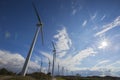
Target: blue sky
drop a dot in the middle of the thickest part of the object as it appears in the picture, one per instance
(86, 33)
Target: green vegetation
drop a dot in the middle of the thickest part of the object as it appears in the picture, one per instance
(22, 78)
(59, 78)
(7, 75)
(39, 76)
(4, 77)
(89, 78)
(4, 71)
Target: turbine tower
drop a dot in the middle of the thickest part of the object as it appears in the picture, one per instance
(41, 66)
(39, 28)
(48, 65)
(54, 57)
(58, 68)
(62, 71)
(66, 72)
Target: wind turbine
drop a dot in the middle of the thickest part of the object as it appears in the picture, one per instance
(62, 71)
(54, 57)
(41, 66)
(66, 72)
(58, 68)
(39, 28)
(72, 73)
(49, 65)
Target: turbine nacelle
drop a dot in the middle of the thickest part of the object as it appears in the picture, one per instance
(39, 24)
(54, 50)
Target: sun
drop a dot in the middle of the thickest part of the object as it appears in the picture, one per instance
(103, 44)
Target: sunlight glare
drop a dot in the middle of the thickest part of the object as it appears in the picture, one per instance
(103, 45)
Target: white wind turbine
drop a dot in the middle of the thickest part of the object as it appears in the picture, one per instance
(39, 28)
(48, 65)
(54, 57)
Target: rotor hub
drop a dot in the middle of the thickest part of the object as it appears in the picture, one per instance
(39, 24)
(54, 50)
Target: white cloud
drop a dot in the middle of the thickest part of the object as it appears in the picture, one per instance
(37, 59)
(84, 23)
(102, 62)
(47, 55)
(109, 26)
(94, 16)
(75, 7)
(74, 11)
(14, 62)
(71, 61)
(63, 42)
(62, 54)
(100, 65)
(107, 67)
(50, 56)
(103, 17)
(114, 66)
(81, 55)
(84, 53)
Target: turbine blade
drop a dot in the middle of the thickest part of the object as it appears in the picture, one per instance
(36, 12)
(40, 23)
(42, 38)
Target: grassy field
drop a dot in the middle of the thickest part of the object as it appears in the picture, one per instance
(3, 77)
(7, 75)
(59, 78)
(90, 78)
(16, 78)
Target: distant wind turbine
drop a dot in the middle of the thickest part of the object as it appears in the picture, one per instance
(66, 72)
(54, 57)
(49, 65)
(39, 28)
(62, 71)
(58, 69)
(41, 66)
(72, 73)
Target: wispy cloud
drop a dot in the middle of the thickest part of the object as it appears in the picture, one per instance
(50, 56)
(63, 42)
(109, 26)
(72, 61)
(47, 55)
(74, 11)
(7, 34)
(81, 55)
(94, 16)
(107, 68)
(37, 59)
(114, 68)
(75, 7)
(92, 19)
(100, 64)
(14, 62)
(103, 17)
(84, 23)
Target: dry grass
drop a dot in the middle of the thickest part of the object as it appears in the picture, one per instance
(22, 78)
